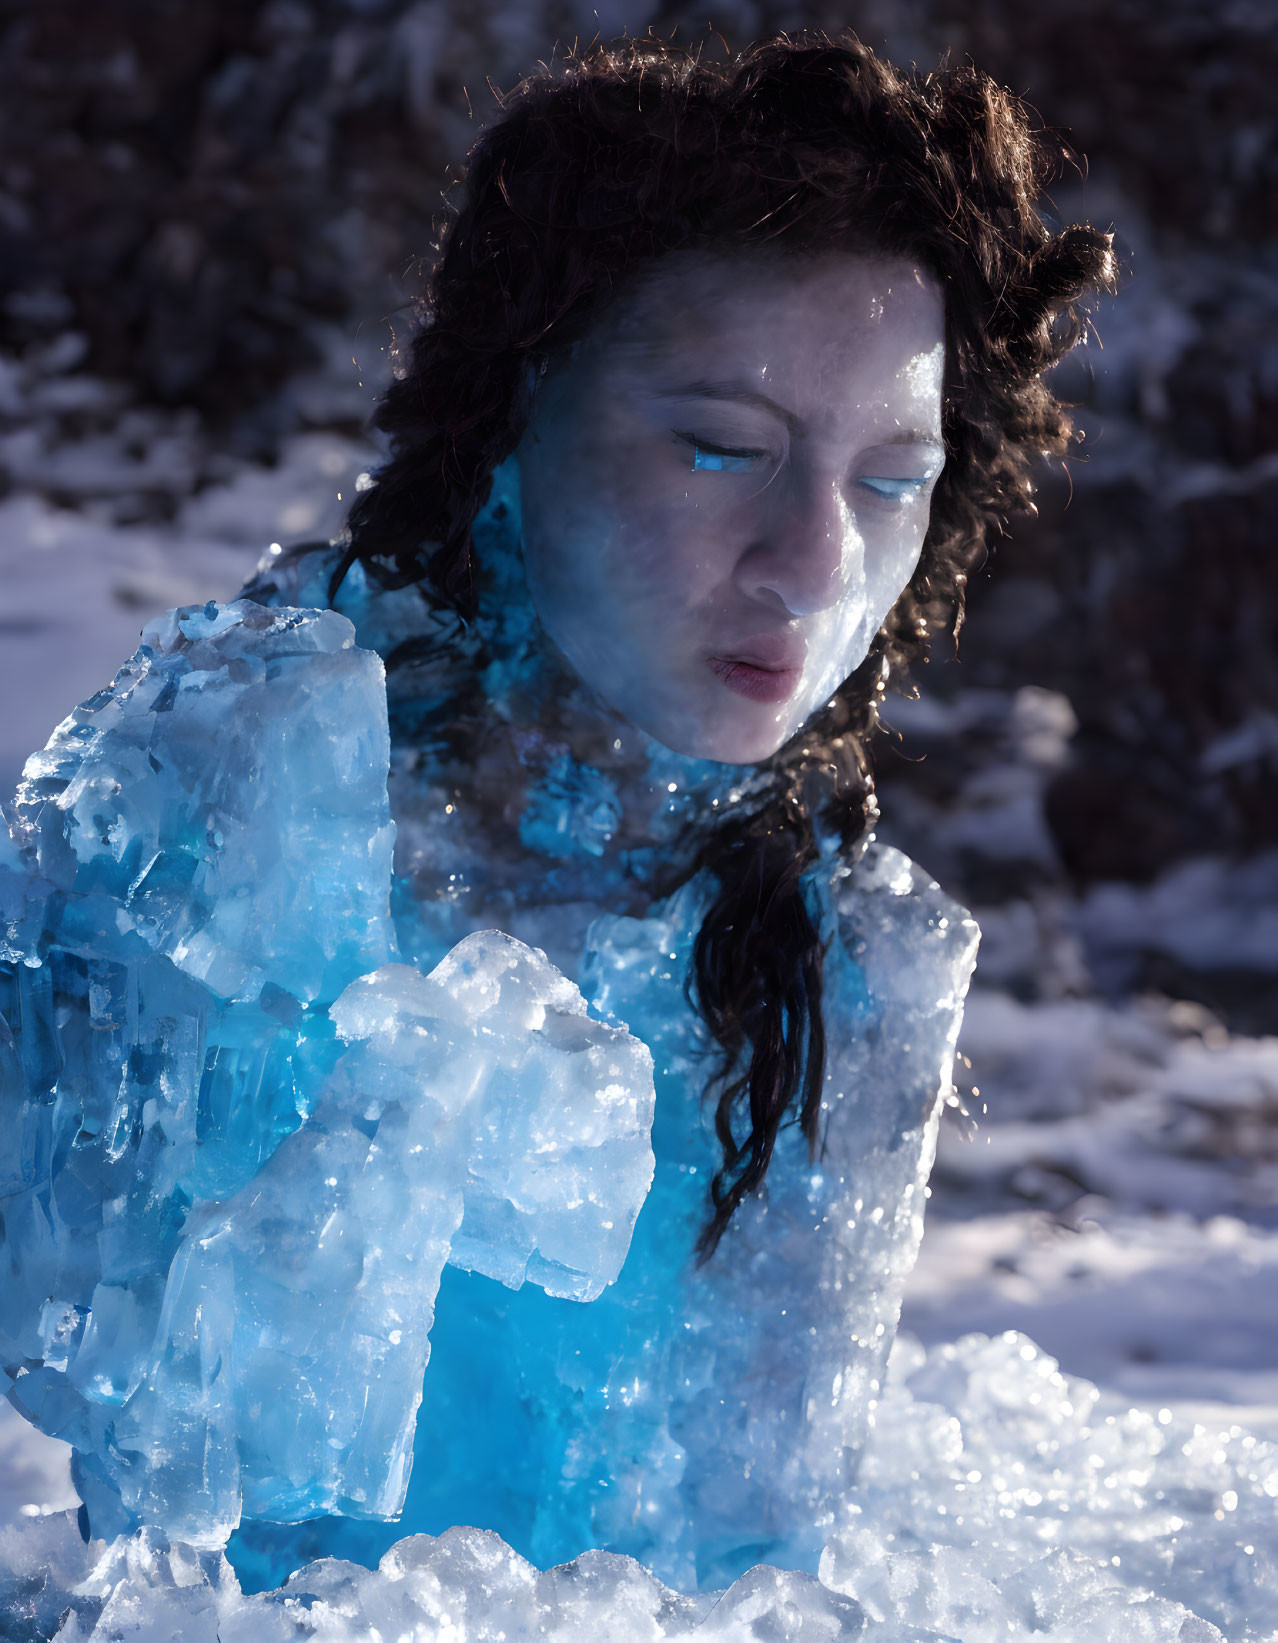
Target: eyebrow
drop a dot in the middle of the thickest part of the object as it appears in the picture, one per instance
(707, 389)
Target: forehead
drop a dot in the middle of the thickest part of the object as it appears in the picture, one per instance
(838, 324)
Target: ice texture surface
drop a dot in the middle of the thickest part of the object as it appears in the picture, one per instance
(998, 1499)
(245, 1140)
(257, 1118)
(701, 1420)
(217, 1190)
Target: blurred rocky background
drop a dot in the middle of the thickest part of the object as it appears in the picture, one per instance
(211, 212)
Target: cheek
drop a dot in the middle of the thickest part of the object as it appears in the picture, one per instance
(888, 566)
(670, 553)
(615, 579)
(621, 550)
(640, 558)
(893, 570)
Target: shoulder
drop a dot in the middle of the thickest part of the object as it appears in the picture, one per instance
(899, 958)
(234, 771)
(895, 943)
(299, 576)
(388, 620)
(916, 945)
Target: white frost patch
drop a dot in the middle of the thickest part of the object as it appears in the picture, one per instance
(1162, 1310)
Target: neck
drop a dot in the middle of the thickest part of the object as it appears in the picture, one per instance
(537, 764)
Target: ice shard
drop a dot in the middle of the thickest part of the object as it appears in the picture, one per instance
(246, 1138)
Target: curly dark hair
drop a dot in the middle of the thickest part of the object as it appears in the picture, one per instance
(622, 154)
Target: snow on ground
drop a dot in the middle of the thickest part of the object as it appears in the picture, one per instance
(1113, 1192)
(1165, 1312)
(35, 1471)
(1107, 1182)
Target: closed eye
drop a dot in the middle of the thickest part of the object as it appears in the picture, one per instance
(722, 458)
(894, 490)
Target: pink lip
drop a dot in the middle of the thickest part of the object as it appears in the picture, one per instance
(766, 667)
(760, 684)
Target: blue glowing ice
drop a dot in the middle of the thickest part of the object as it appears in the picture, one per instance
(284, 1111)
(246, 1141)
(279, 1112)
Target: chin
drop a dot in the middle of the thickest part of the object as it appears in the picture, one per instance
(724, 743)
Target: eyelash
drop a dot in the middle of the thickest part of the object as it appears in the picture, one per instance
(707, 457)
(721, 458)
(893, 490)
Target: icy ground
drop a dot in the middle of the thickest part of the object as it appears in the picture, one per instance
(1112, 1193)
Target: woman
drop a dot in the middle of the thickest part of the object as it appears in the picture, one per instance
(727, 370)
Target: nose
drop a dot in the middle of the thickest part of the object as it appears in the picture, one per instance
(805, 549)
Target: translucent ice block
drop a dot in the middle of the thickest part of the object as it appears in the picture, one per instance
(245, 1140)
(287, 1369)
(190, 877)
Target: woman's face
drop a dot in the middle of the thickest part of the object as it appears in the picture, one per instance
(726, 487)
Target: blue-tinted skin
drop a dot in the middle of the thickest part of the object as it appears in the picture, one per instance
(719, 459)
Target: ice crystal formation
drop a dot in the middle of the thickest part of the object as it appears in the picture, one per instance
(266, 1088)
(331, 1219)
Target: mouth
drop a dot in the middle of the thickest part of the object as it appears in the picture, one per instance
(749, 677)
